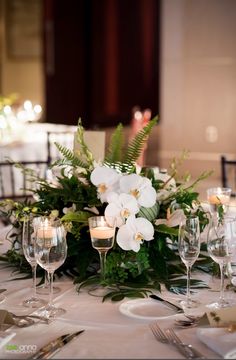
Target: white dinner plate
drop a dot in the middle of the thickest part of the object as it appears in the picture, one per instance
(146, 309)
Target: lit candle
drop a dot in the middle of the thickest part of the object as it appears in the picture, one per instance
(218, 199)
(45, 232)
(102, 232)
(45, 235)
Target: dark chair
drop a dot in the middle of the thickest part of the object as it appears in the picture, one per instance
(228, 174)
(15, 181)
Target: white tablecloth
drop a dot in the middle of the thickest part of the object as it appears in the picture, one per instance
(109, 334)
(31, 144)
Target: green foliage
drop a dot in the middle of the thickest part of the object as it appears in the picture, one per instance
(73, 198)
(114, 154)
(69, 158)
(136, 145)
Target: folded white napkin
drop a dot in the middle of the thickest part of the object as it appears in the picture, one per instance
(219, 340)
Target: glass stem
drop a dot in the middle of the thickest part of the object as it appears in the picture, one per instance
(102, 255)
(188, 283)
(222, 277)
(45, 285)
(34, 267)
(50, 278)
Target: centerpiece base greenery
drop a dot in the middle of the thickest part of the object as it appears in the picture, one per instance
(139, 262)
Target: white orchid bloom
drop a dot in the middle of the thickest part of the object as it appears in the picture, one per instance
(173, 219)
(132, 234)
(121, 206)
(106, 180)
(140, 187)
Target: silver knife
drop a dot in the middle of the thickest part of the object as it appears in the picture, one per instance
(168, 303)
(55, 345)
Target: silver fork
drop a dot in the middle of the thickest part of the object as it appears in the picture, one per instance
(162, 337)
(158, 333)
(192, 352)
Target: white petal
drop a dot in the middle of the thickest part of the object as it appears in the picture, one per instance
(145, 227)
(128, 182)
(135, 245)
(114, 211)
(124, 237)
(129, 202)
(104, 175)
(131, 224)
(113, 197)
(147, 197)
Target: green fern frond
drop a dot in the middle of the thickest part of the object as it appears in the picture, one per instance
(84, 150)
(120, 167)
(69, 157)
(114, 153)
(136, 145)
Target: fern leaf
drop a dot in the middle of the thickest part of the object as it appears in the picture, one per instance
(69, 157)
(84, 150)
(114, 153)
(136, 145)
(120, 167)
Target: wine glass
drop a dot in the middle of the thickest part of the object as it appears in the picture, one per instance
(102, 233)
(44, 289)
(51, 252)
(221, 246)
(189, 249)
(28, 245)
(218, 198)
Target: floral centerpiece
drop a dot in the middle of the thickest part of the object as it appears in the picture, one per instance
(147, 203)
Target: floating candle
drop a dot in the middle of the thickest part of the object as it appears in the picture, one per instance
(102, 232)
(45, 232)
(218, 199)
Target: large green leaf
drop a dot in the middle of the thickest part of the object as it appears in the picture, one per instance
(164, 229)
(149, 213)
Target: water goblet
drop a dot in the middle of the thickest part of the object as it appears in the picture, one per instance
(189, 249)
(221, 246)
(51, 252)
(102, 233)
(44, 288)
(28, 246)
(218, 198)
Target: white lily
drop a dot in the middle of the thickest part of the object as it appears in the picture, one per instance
(172, 219)
(140, 187)
(106, 180)
(132, 234)
(121, 206)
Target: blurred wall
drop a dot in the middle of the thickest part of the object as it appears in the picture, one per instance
(20, 49)
(198, 83)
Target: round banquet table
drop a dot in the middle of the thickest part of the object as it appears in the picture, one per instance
(109, 332)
